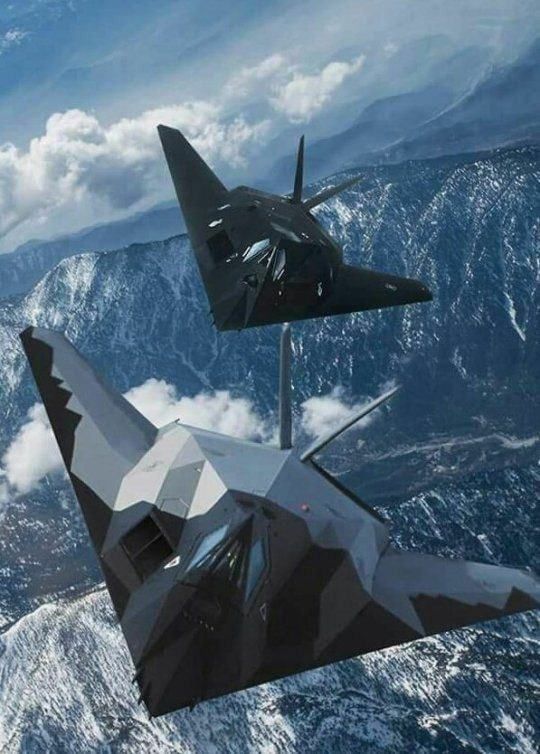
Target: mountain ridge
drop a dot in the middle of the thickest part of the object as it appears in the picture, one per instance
(458, 450)
(26, 265)
(500, 111)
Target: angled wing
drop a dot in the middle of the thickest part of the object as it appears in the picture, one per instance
(205, 204)
(358, 289)
(433, 594)
(118, 465)
(100, 434)
(197, 187)
(415, 595)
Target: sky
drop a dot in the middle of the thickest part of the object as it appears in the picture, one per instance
(83, 85)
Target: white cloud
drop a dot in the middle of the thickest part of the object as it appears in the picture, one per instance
(218, 411)
(321, 414)
(304, 95)
(81, 165)
(79, 158)
(12, 38)
(251, 77)
(33, 453)
(290, 91)
(390, 48)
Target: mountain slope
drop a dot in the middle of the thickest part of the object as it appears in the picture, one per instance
(500, 109)
(379, 125)
(65, 674)
(470, 403)
(21, 269)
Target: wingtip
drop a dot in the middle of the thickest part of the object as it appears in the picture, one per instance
(169, 134)
(423, 293)
(33, 332)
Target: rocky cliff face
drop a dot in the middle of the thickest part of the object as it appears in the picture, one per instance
(457, 451)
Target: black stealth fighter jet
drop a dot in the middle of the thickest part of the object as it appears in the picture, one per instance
(265, 258)
(232, 563)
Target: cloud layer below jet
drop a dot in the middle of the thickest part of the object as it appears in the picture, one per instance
(33, 453)
(304, 95)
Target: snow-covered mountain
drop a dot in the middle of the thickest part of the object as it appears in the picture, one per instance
(498, 108)
(65, 671)
(457, 450)
(21, 269)
(468, 227)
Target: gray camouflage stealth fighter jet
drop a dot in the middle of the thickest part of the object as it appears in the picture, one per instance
(231, 563)
(265, 258)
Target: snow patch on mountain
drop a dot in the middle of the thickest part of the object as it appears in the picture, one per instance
(456, 451)
(80, 690)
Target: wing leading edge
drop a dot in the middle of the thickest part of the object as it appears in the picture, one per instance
(197, 187)
(101, 436)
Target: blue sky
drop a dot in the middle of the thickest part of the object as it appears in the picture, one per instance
(83, 84)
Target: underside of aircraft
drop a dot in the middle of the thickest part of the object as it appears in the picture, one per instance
(232, 563)
(265, 258)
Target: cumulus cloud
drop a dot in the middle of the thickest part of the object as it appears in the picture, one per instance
(78, 157)
(321, 414)
(305, 94)
(80, 162)
(251, 77)
(33, 453)
(218, 411)
(291, 91)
